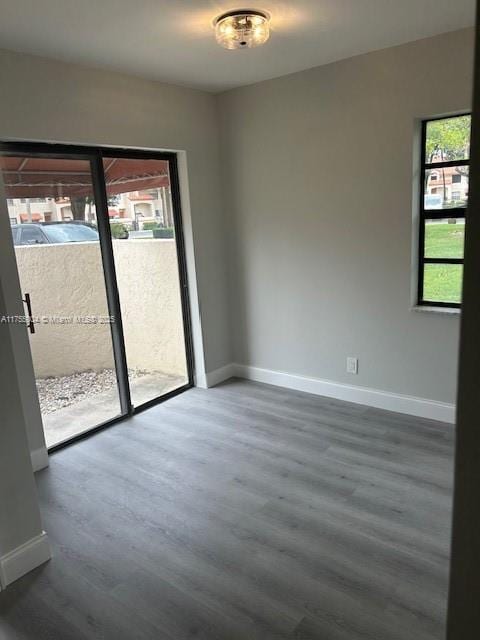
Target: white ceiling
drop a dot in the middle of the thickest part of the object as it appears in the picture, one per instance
(172, 40)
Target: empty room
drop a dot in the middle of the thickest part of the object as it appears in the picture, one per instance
(239, 311)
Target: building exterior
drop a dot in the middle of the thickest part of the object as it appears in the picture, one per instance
(446, 187)
(133, 209)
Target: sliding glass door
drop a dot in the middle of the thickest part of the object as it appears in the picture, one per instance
(100, 256)
(146, 245)
(53, 214)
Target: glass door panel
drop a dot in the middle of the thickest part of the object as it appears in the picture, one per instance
(145, 248)
(53, 217)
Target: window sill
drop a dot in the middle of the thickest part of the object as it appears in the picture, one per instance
(445, 311)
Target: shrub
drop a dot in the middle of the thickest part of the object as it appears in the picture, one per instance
(150, 226)
(119, 231)
(163, 232)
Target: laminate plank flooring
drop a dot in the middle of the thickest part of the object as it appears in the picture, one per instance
(244, 512)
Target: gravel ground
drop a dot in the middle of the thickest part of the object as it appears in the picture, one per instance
(63, 391)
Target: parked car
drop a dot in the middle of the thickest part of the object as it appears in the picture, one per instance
(53, 232)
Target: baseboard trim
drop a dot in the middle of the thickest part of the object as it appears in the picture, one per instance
(200, 380)
(219, 375)
(410, 405)
(23, 559)
(39, 458)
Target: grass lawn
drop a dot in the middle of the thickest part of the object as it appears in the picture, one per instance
(443, 283)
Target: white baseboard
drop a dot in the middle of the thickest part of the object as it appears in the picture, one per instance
(39, 458)
(219, 375)
(410, 405)
(200, 380)
(23, 559)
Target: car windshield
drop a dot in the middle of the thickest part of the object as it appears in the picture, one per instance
(70, 233)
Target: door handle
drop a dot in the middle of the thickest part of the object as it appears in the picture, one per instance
(31, 325)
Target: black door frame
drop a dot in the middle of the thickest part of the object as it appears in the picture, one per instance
(95, 156)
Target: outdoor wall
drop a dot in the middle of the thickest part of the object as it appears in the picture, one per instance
(65, 281)
(147, 273)
(318, 174)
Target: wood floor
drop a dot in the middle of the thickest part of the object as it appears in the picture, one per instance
(244, 512)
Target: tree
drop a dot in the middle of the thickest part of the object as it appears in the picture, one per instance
(449, 139)
(77, 206)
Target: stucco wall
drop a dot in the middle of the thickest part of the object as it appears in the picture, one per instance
(147, 274)
(66, 281)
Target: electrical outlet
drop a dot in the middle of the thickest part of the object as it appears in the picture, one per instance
(352, 365)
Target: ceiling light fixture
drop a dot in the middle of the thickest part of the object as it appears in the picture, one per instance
(242, 29)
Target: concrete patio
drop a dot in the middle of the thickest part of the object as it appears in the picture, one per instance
(83, 415)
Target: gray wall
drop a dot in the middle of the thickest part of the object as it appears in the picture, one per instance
(54, 101)
(463, 609)
(18, 334)
(317, 169)
(19, 513)
(318, 183)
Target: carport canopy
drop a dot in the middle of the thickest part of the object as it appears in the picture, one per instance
(38, 177)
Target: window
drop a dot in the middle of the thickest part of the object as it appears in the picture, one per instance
(32, 235)
(445, 161)
(69, 232)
